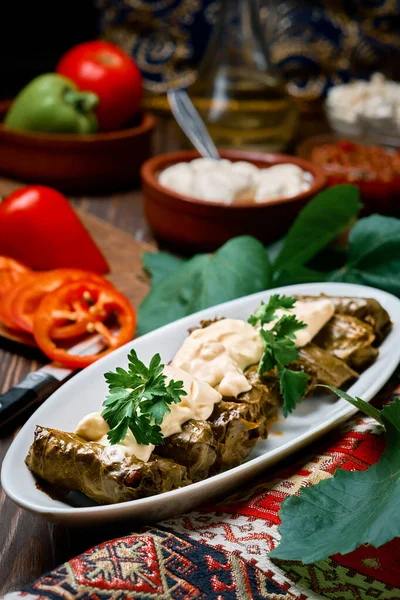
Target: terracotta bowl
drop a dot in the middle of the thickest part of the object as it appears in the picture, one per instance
(376, 195)
(193, 224)
(76, 163)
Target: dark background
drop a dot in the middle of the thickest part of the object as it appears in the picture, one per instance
(34, 34)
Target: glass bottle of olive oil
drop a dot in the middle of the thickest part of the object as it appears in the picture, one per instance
(241, 99)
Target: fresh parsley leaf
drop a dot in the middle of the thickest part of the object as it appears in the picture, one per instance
(157, 411)
(287, 326)
(266, 313)
(352, 508)
(267, 361)
(280, 350)
(238, 268)
(373, 254)
(293, 385)
(318, 224)
(120, 378)
(119, 431)
(174, 390)
(142, 433)
(139, 399)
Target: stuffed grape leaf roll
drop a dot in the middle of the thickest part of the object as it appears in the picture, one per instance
(231, 432)
(349, 339)
(235, 432)
(70, 463)
(195, 447)
(262, 400)
(322, 366)
(368, 310)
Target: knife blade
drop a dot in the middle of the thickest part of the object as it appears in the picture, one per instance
(38, 385)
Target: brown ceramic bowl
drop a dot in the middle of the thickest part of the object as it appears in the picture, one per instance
(376, 195)
(193, 224)
(76, 163)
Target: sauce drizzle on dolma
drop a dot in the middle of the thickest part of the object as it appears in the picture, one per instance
(368, 310)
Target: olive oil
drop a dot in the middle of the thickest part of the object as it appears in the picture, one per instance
(243, 102)
(246, 109)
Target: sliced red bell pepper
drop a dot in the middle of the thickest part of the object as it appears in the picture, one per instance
(30, 294)
(102, 303)
(39, 228)
(7, 302)
(11, 272)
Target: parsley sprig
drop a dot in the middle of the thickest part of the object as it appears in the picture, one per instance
(139, 399)
(280, 349)
(266, 313)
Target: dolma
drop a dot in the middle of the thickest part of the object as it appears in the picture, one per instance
(70, 463)
(323, 366)
(262, 400)
(306, 367)
(195, 447)
(204, 447)
(368, 310)
(236, 434)
(349, 339)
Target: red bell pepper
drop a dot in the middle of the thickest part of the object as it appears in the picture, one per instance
(39, 228)
(98, 302)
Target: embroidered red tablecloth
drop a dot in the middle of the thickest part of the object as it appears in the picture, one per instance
(221, 552)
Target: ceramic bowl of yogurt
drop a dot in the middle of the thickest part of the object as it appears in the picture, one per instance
(198, 204)
(366, 110)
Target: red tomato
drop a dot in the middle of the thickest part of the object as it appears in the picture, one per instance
(105, 69)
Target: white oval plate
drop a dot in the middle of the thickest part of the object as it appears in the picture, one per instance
(86, 391)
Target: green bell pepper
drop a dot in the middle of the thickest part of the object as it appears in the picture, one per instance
(52, 103)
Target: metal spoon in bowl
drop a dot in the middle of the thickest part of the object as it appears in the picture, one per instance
(191, 123)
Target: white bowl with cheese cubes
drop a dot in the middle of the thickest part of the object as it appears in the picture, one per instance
(196, 203)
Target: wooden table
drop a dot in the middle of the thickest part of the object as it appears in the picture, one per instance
(30, 546)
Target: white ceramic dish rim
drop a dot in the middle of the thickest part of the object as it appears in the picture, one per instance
(341, 412)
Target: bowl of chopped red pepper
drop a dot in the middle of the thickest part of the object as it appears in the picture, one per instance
(374, 169)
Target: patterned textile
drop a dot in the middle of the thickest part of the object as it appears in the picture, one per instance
(221, 552)
(314, 43)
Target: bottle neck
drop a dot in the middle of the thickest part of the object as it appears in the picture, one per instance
(238, 38)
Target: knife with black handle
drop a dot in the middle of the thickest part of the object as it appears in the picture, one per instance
(27, 395)
(36, 387)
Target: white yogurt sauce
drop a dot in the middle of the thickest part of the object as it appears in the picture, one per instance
(230, 182)
(211, 363)
(219, 354)
(198, 405)
(314, 314)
